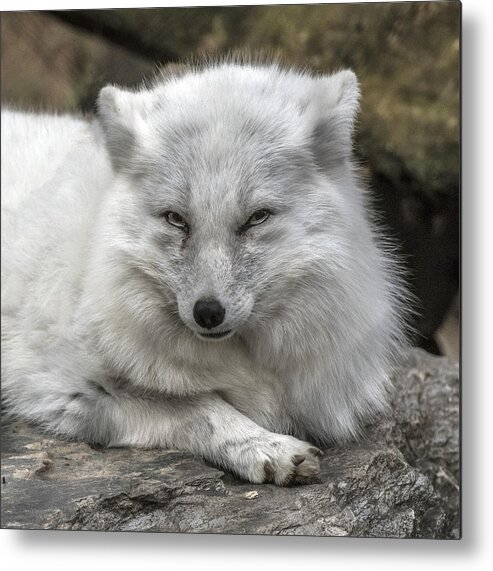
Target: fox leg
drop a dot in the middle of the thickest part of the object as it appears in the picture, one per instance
(210, 427)
(112, 413)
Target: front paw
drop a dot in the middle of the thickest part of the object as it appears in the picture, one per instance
(296, 464)
(279, 459)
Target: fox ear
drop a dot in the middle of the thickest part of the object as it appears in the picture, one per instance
(122, 116)
(336, 100)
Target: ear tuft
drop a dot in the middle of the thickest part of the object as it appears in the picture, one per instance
(345, 83)
(347, 86)
(113, 100)
(337, 100)
(116, 117)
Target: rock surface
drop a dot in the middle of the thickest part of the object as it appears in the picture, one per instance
(401, 481)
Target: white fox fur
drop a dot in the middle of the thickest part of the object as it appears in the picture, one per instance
(99, 339)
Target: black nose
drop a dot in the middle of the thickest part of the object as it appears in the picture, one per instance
(208, 314)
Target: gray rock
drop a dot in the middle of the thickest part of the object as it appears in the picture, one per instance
(400, 481)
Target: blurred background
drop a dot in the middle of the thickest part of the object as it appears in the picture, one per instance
(406, 55)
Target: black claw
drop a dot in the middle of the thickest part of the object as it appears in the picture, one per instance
(297, 459)
(315, 451)
(269, 471)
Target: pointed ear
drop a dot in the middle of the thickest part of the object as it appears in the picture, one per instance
(123, 116)
(335, 106)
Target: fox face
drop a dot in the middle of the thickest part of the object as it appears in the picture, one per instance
(228, 228)
(232, 205)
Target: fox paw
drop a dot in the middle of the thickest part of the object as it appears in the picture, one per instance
(293, 469)
(278, 459)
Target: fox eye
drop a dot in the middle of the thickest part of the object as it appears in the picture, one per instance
(176, 219)
(258, 217)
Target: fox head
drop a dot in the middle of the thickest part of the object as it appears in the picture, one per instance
(236, 201)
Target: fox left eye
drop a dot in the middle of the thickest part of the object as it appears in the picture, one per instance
(258, 217)
(176, 219)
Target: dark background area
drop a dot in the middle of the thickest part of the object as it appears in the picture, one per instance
(406, 56)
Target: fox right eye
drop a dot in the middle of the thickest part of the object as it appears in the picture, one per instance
(176, 219)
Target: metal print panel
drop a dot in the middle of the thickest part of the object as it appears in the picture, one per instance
(230, 244)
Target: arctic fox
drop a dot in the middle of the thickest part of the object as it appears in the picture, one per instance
(196, 268)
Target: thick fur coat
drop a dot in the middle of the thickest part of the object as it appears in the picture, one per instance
(231, 185)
